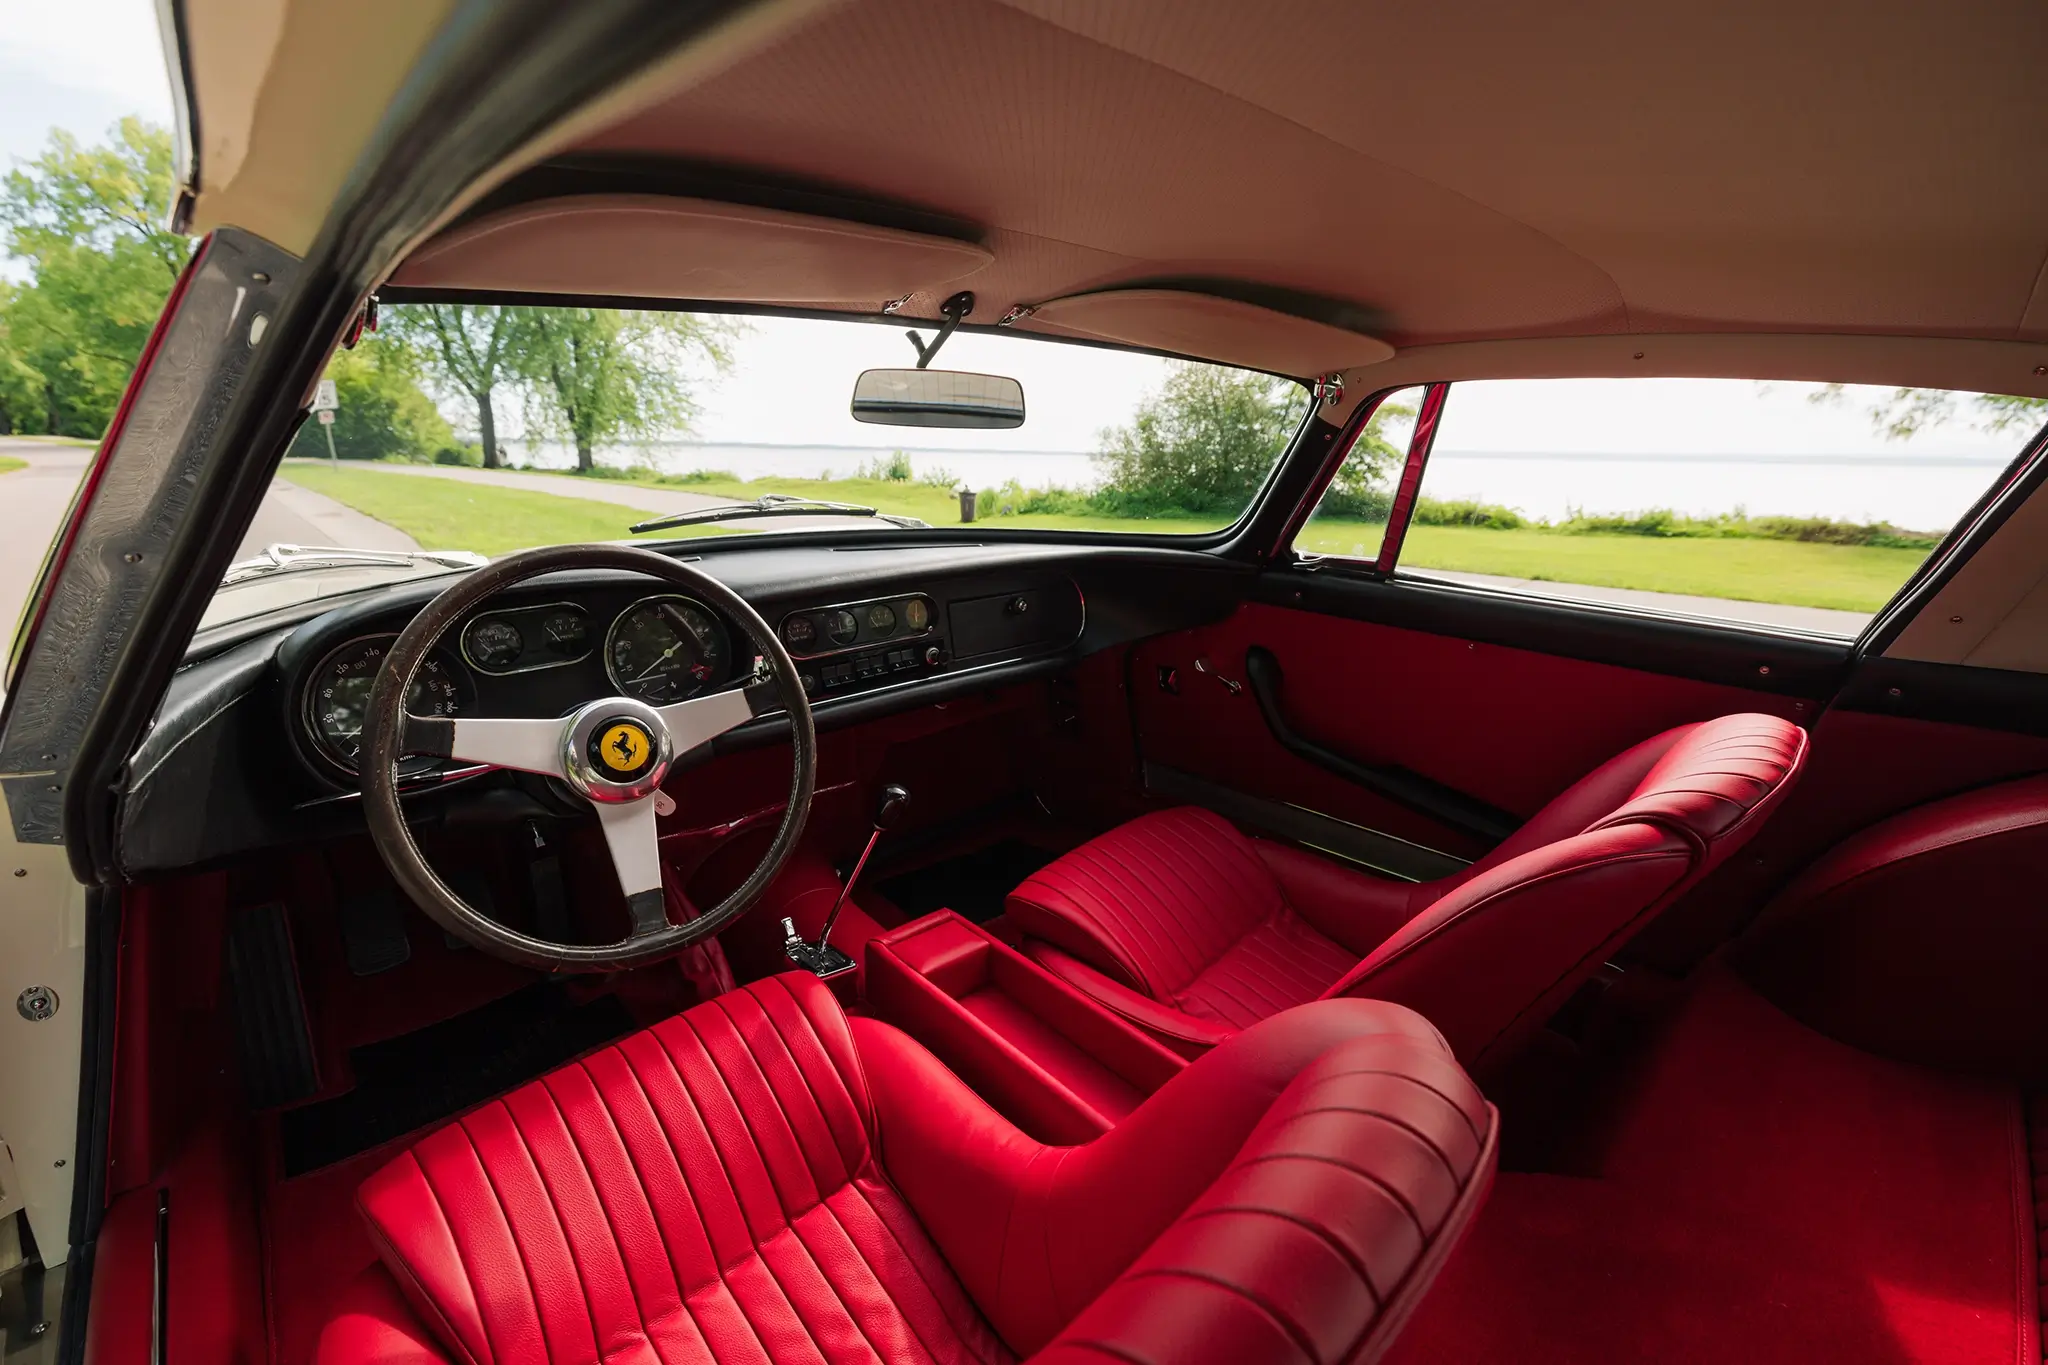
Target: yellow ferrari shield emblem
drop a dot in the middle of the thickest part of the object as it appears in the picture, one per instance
(624, 747)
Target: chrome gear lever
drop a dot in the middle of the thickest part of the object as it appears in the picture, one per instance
(821, 959)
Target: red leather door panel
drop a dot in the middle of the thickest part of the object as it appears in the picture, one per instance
(1510, 726)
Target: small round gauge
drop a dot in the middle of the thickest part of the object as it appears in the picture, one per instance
(916, 615)
(882, 618)
(841, 627)
(493, 642)
(567, 633)
(800, 631)
(338, 698)
(665, 649)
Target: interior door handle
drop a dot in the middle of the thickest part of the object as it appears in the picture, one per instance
(1446, 805)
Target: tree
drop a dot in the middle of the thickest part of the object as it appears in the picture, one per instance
(1360, 487)
(89, 223)
(598, 374)
(472, 348)
(1905, 413)
(382, 413)
(1204, 443)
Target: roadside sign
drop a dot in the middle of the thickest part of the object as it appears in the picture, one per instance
(327, 417)
(326, 400)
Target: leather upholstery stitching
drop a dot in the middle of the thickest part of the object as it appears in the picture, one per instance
(554, 1205)
(511, 1235)
(1407, 1207)
(1320, 1231)
(1285, 1322)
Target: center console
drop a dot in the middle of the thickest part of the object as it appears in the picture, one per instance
(844, 647)
(1052, 1061)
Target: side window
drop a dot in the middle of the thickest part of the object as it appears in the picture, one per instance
(1350, 520)
(1789, 506)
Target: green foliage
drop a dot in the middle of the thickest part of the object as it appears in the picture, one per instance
(89, 223)
(1203, 443)
(1905, 413)
(599, 374)
(383, 415)
(1466, 512)
(938, 476)
(1362, 487)
(893, 468)
(1738, 525)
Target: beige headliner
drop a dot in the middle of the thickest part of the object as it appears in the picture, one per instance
(1469, 170)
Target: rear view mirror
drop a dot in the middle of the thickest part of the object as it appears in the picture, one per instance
(937, 398)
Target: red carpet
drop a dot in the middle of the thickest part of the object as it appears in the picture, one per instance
(1770, 1196)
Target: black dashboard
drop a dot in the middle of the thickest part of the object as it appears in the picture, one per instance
(256, 743)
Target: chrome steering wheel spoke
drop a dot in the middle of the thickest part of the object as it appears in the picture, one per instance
(531, 746)
(630, 834)
(696, 722)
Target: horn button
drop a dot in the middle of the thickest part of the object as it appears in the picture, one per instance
(616, 750)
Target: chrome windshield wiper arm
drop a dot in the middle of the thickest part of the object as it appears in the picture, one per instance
(777, 505)
(285, 558)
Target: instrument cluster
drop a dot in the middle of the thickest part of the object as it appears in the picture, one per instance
(522, 660)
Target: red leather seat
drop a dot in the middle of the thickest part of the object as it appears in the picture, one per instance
(762, 1178)
(1192, 931)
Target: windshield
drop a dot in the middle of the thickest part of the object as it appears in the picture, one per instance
(492, 429)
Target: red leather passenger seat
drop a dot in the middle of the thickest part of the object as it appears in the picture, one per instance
(1192, 931)
(763, 1179)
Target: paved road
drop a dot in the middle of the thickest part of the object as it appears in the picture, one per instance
(33, 502)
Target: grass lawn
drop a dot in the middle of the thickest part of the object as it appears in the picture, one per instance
(445, 514)
(8, 464)
(1797, 573)
(450, 514)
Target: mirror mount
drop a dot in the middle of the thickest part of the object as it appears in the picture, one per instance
(954, 311)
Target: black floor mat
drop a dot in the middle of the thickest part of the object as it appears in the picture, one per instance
(973, 884)
(408, 1082)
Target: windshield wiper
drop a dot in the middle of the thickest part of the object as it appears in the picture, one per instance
(778, 505)
(282, 558)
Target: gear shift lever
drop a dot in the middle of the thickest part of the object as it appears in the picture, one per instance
(821, 958)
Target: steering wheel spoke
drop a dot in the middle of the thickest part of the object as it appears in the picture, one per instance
(696, 722)
(531, 746)
(630, 834)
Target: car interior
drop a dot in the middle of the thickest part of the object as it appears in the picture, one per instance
(966, 944)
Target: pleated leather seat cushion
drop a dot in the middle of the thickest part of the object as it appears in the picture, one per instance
(702, 1191)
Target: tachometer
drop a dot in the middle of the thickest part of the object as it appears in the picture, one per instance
(664, 649)
(338, 698)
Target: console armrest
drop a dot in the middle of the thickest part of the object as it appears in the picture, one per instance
(1052, 1061)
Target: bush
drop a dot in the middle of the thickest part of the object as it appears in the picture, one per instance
(939, 477)
(1467, 512)
(894, 469)
(469, 454)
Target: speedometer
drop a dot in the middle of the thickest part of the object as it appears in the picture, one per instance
(665, 649)
(338, 699)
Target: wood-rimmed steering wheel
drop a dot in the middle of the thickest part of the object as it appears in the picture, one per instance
(614, 752)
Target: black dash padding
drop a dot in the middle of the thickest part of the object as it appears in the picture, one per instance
(270, 1010)
(373, 931)
(418, 1078)
(973, 885)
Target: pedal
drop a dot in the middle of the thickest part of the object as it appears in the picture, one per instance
(373, 931)
(271, 1033)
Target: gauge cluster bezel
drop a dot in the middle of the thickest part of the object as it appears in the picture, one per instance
(897, 603)
(718, 623)
(540, 612)
(313, 740)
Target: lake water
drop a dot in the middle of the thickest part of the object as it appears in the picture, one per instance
(1925, 493)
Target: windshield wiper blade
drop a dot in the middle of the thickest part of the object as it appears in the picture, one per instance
(284, 558)
(778, 505)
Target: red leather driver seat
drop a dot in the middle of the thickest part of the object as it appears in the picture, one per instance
(1192, 931)
(763, 1179)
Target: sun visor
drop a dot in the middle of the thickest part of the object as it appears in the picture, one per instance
(1227, 330)
(656, 246)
